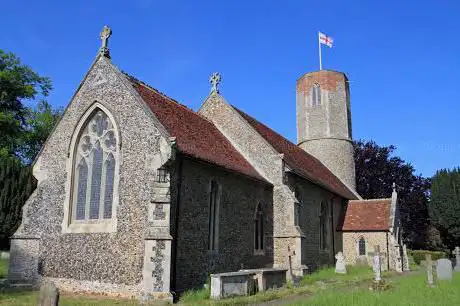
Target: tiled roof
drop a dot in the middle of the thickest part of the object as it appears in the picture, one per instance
(367, 215)
(300, 161)
(195, 135)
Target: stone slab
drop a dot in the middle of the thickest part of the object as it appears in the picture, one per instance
(444, 269)
(231, 284)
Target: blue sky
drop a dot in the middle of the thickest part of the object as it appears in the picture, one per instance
(402, 58)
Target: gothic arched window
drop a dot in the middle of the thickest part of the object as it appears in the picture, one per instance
(315, 95)
(362, 246)
(259, 229)
(94, 167)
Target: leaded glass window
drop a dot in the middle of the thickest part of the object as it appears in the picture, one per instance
(94, 169)
(324, 224)
(259, 229)
(362, 246)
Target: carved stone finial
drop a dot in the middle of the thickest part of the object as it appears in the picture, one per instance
(105, 34)
(394, 187)
(215, 80)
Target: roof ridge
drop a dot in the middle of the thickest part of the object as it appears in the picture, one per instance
(164, 95)
(371, 200)
(300, 149)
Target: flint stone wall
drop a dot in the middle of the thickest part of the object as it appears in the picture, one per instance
(238, 202)
(351, 251)
(106, 258)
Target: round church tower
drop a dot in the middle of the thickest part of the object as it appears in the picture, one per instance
(324, 121)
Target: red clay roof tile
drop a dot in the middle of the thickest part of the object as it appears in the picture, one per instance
(195, 135)
(367, 215)
(302, 163)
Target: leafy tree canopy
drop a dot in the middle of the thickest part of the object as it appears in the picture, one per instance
(376, 170)
(18, 83)
(444, 207)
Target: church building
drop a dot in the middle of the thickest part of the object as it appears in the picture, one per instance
(138, 195)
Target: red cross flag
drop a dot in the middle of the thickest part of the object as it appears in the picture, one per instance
(325, 40)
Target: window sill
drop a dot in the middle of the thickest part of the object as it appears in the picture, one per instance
(212, 253)
(93, 227)
(259, 253)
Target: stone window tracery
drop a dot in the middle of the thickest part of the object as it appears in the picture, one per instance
(94, 170)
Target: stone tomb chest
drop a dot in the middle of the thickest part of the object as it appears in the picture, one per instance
(231, 284)
(268, 278)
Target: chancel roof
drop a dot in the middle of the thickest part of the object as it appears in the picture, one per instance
(367, 215)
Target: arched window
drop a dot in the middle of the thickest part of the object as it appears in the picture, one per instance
(323, 225)
(315, 95)
(259, 229)
(213, 238)
(94, 167)
(362, 246)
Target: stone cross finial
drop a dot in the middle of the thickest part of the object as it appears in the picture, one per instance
(215, 80)
(105, 34)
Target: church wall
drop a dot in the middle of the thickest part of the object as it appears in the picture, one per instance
(239, 197)
(310, 197)
(351, 250)
(268, 162)
(94, 261)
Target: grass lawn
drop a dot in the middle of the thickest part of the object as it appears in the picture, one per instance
(3, 268)
(410, 290)
(325, 279)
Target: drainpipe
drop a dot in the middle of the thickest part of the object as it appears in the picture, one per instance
(176, 225)
(388, 254)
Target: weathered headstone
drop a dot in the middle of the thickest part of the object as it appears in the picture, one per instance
(289, 254)
(49, 294)
(444, 269)
(376, 264)
(456, 252)
(406, 266)
(429, 269)
(340, 263)
(398, 259)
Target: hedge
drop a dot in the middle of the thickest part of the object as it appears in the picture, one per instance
(419, 255)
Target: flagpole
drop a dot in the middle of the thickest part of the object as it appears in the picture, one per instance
(319, 49)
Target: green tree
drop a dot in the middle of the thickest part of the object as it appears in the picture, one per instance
(23, 130)
(444, 207)
(376, 170)
(18, 83)
(39, 125)
(16, 185)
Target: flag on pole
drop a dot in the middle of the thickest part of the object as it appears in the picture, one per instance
(325, 40)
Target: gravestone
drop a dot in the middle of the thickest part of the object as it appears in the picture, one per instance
(398, 259)
(406, 266)
(289, 254)
(376, 264)
(49, 294)
(429, 270)
(232, 284)
(444, 269)
(457, 259)
(340, 263)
